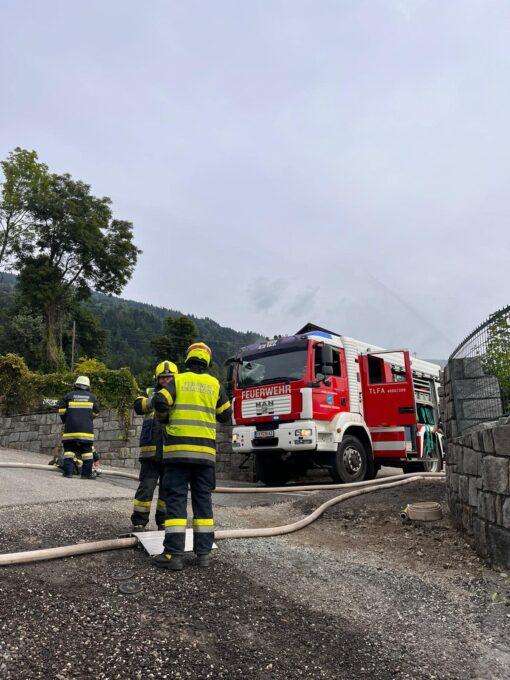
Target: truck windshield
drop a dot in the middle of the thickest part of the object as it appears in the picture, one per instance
(258, 370)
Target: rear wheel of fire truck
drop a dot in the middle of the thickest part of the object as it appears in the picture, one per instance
(352, 463)
(432, 465)
(429, 463)
(407, 468)
(271, 470)
(433, 460)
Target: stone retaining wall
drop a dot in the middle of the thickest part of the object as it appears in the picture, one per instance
(471, 396)
(478, 478)
(41, 433)
(478, 482)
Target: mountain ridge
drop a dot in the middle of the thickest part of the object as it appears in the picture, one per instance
(130, 326)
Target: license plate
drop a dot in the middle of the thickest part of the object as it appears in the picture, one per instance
(263, 434)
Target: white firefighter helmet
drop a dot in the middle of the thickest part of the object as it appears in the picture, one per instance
(82, 381)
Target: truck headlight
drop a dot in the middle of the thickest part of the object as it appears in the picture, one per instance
(236, 439)
(304, 432)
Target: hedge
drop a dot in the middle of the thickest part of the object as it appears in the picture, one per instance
(22, 391)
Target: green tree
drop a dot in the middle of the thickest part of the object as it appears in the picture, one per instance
(178, 335)
(20, 332)
(90, 337)
(23, 178)
(496, 361)
(70, 246)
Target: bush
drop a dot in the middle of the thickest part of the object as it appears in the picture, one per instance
(16, 392)
(85, 366)
(23, 391)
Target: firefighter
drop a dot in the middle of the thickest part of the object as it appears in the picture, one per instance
(192, 404)
(77, 411)
(151, 450)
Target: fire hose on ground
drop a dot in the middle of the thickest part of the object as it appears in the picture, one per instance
(360, 488)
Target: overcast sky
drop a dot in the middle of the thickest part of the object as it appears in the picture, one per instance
(345, 162)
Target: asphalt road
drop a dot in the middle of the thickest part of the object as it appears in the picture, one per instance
(24, 486)
(40, 489)
(45, 487)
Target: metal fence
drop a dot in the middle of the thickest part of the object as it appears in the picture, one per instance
(479, 371)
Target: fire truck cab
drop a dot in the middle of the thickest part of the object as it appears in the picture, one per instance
(318, 398)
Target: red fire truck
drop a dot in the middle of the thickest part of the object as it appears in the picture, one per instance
(318, 398)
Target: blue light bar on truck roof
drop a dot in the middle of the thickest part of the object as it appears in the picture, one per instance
(320, 334)
(311, 328)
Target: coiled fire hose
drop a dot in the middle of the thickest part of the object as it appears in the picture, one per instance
(131, 542)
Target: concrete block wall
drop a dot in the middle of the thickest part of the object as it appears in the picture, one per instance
(231, 465)
(41, 433)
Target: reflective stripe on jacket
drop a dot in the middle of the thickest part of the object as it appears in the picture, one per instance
(77, 410)
(193, 402)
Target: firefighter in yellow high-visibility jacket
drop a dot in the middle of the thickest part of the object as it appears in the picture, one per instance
(192, 403)
(151, 452)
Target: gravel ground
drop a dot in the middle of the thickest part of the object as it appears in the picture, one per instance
(356, 595)
(419, 587)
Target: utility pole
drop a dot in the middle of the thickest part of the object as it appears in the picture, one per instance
(73, 345)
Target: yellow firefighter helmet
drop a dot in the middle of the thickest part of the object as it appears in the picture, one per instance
(165, 369)
(199, 351)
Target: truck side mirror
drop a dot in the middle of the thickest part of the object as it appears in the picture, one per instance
(229, 387)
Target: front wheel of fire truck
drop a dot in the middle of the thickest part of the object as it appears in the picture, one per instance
(352, 463)
(270, 469)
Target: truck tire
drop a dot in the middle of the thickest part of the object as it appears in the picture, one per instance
(407, 468)
(376, 468)
(352, 462)
(435, 466)
(271, 470)
(425, 466)
(436, 463)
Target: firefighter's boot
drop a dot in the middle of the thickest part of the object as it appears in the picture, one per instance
(203, 560)
(86, 469)
(168, 561)
(68, 466)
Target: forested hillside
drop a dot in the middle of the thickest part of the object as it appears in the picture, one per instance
(131, 325)
(128, 327)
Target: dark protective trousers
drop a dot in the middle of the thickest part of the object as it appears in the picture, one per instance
(151, 472)
(79, 452)
(201, 480)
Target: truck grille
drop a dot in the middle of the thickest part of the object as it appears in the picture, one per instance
(270, 406)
